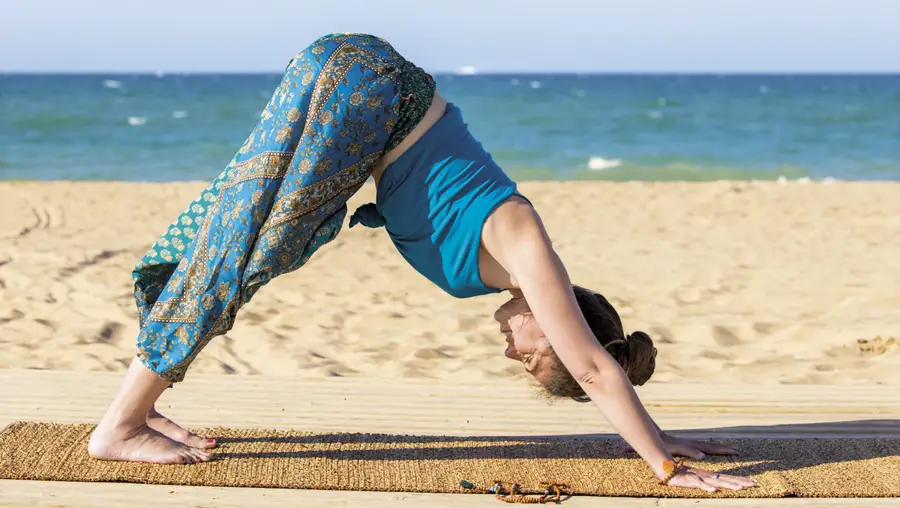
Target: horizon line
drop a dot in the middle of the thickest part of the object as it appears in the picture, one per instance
(163, 72)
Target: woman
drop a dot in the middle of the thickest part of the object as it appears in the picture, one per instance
(350, 106)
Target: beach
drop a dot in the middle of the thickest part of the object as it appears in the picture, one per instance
(736, 281)
(728, 179)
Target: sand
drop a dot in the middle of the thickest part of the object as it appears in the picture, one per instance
(754, 282)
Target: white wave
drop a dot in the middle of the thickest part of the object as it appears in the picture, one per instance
(514, 82)
(137, 120)
(179, 114)
(111, 83)
(654, 114)
(600, 164)
(467, 70)
(535, 84)
(804, 180)
(763, 89)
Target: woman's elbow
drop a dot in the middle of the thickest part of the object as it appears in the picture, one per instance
(602, 376)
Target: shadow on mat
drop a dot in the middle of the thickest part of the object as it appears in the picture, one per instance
(794, 446)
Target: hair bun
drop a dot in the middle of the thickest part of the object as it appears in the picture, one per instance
(641, 357)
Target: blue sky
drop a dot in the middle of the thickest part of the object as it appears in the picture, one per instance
(491, 35)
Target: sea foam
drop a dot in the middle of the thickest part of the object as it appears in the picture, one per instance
(600, 164)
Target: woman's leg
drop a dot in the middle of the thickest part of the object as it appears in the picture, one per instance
(129, 432)
(282, 197)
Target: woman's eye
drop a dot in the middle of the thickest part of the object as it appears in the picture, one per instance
(526, 360)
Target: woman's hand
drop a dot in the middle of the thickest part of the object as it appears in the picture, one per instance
(680, 447)
(515, 237)
(694, 478)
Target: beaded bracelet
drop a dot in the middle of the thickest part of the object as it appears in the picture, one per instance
(553, 492)
(671, 468)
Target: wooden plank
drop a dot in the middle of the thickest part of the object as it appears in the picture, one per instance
(427, 407)
(432, 407)
(15, 494)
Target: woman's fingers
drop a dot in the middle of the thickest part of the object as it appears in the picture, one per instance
(707, 480)
(692, 449)
(706, 447)
(700, 478)
(686, 450)
(691, 481)
(711, 448)
(740, 480)
(724, 481)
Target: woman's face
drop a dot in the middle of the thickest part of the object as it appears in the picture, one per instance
(525, 340)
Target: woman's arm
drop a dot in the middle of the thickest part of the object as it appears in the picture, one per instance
(515, 237)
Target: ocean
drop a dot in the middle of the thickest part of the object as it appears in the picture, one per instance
(170, 127)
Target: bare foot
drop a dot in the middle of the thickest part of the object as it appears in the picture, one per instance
(125, 431)
(141, 444)
(172, 430)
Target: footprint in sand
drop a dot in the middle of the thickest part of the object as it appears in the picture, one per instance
(108, 334)
(687, 295)
(763, 328)
(12, 316)
(227, 369)
(662, 335)
(94, 260)
(877, 346)
(467, 324)
(389, 351)
(714, 355)
(341, 371)
(865, 348)
(510, 371)
(485, 339)
(435, 353)
(416, 371)
(39, 219)
(725, 337)
(45, 322)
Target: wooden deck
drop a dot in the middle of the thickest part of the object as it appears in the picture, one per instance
(427, 407)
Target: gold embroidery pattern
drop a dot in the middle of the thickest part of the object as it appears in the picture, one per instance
(282, 197)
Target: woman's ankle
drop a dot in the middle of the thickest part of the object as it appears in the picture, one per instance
(136, 397)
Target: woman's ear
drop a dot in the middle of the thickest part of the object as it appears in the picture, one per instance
(546, 347)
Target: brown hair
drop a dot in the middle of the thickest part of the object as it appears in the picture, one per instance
(635, 352)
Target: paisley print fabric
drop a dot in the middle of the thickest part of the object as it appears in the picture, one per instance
(417, 90)
(280, 199)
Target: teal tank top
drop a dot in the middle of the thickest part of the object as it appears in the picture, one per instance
(433, 201)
